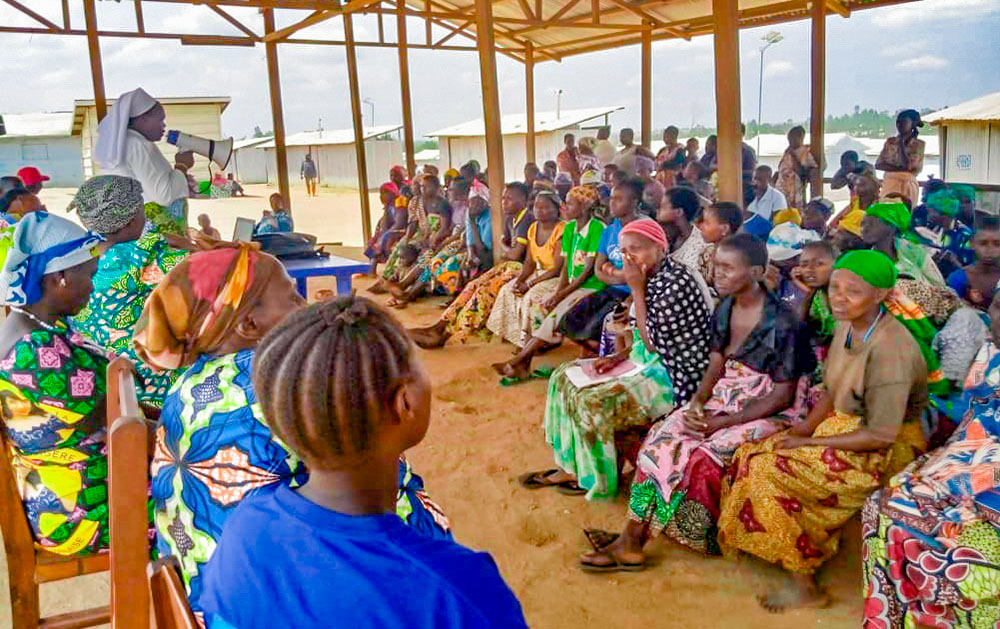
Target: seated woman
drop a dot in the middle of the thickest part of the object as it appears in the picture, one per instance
(468, 314)
(753, 386)
(788, 497)
(131, 266)
(53, 385)
(664, 354)
(443, 275)
(585, 321)
(539, 279)
(334, 551)
(580, 241)
(18, 202)
(390, 228)
(213, 446)
(677, 214)
(812, 276)
(411, 285)
(884, 229)
(930, 537)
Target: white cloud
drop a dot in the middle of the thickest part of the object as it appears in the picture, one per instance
(924, 62)
(778, 68)
(904, 49)
(934, 11)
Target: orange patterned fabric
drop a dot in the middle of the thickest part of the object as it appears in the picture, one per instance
(788, 506)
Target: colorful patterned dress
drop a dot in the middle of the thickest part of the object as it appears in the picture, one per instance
(931, 553)
(128, 272)
(678, 477)
(580, 423)
(214, 448)
(788, 506)
(52, 388)
(167, 219)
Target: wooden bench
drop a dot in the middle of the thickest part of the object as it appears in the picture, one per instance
(128, 486)
(28, 566)
(170, 605)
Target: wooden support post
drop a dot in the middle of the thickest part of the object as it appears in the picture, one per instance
(529, 99)
(277, 113)
(727, 100)
(359, 132)
(818, 110)
(646, 78)
(404, 87)
(96, 67)
(491, 116)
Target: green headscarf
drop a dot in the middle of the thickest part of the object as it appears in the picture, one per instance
(963, 192)
(874, 267)
(943, 202)
(892, 212)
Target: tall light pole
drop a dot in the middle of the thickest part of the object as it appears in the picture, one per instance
(559, 94)
(770, 39)
(371, 104)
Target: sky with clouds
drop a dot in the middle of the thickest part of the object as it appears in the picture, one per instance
(925, 54)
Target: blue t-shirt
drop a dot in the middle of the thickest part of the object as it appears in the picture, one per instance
(286, 562)
(757, 226)
(609, 247)
(482, 225)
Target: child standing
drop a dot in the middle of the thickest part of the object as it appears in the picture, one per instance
(340, 384)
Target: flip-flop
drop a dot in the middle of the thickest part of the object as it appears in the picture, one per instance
(600, 539)
(617, 566)
(571, 488)
(536, 480)
(542, 373)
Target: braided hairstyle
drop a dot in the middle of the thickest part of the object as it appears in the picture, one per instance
(326, 375)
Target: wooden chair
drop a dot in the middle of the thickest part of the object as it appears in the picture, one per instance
(28, 566)
(128, 485)
(170, 605)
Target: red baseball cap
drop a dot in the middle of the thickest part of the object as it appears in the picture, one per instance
(30, 176)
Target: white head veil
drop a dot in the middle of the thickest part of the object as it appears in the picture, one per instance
(111, 131)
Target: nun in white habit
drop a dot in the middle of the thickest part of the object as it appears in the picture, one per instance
(125, 146)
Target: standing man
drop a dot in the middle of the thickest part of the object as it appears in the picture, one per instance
(566, 159)
(125, 147)
(308, 172)
(604, 149)
(32, 179)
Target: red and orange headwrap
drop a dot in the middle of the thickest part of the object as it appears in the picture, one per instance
(199, 303)
(587, 195)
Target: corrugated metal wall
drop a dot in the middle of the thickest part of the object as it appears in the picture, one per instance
(57, 157)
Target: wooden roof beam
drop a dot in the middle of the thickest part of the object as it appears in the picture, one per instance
(499, 32)
(528, 13)
(52, 26)
(316, 18)
(229, 18)
(461, 29)
(836, 6)
(649, 17)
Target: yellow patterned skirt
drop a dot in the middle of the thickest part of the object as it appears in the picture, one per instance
(788, 506)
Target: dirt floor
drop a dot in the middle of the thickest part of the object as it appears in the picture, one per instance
(481, 438)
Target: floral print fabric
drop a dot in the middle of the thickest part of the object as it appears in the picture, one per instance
(931, 553)
(51, 390)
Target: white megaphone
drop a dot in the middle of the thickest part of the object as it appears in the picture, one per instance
(219, 151)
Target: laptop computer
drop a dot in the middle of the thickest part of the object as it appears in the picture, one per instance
(243, 231)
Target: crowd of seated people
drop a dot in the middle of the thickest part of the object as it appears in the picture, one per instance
(752, 378)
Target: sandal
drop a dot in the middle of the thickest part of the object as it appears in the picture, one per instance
(571, 488)
(615, 566)
(600, 539)
(537, 480)
(542, 373)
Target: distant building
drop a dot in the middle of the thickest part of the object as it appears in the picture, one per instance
(195, 115)
(427, 156)
(334, 154)
(249, 164)
(460, 143)
(45, 141)
(971, 136)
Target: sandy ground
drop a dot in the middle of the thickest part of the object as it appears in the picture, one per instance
(481, 438)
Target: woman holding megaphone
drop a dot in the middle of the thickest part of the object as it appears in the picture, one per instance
(125, 146)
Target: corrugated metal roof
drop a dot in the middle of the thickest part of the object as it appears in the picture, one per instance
(332, 136)
(512, 124)
(427, 155)
(166, 100)
(245, 142)
(54, 124)
(985, 108)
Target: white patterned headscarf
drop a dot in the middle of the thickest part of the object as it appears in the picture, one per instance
(107, 203)
(40, 244)
(113, 129)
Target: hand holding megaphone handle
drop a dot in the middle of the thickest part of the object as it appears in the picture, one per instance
(185, 159)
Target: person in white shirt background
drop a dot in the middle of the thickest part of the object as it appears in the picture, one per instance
(125, 146)
(766, 200)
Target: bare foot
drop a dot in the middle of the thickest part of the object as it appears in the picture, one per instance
(378, 288)
(611, 558)
(798, 591)
(516, 370)
(428, 338)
